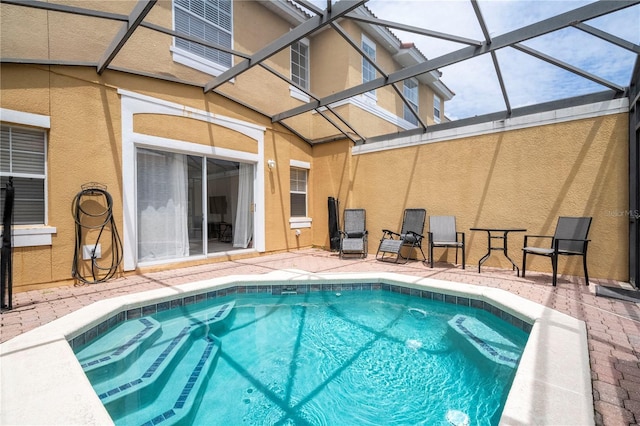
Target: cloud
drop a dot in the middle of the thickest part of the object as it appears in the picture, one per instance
(528, 80)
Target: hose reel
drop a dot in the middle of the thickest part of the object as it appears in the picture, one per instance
(97, 237)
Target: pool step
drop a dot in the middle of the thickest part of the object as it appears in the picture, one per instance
(100, 363)
(140, 378)
(487, 341)
(177, 399)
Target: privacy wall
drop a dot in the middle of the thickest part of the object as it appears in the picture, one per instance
(523, 178)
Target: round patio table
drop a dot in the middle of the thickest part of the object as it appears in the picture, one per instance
(498, 234)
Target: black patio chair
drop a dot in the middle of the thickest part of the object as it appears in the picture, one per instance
(442, 233)
(353, 238)
(570, 239)
(410, 237)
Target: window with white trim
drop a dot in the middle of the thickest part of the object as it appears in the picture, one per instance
(368, 70)
(436, 108)
(23, 158)
(410, 92)
(298, 188)
(209, 20)
(300, 63)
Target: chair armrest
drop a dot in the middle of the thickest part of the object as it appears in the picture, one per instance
(386, 232)
(460, 234)
(416, 234)
(557, 241)
(526, 237)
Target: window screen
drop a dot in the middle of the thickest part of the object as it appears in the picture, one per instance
(22, 157)
(298, 185)
(210, 20)
(300, 64)
(410, 91)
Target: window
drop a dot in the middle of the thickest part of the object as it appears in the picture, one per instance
(209, 20)
(436, 108)
(410, 91)
(298, 192)
(368, 70)
(300, 63)
(22, 157)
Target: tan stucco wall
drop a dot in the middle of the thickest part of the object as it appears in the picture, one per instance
(84, 145)
(523, 178)
(520, 178)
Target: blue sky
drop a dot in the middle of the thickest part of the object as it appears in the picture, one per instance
(528, 80)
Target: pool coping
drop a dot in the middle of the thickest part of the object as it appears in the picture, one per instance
(42, 381)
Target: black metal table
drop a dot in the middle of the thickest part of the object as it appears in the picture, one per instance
(504, 233)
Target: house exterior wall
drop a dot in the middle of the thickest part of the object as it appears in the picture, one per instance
(85, 145)
(521, 178)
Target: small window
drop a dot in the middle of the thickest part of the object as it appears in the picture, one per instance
(410, 91)
(22, 157)
(298, 192)
(436, 109)
(300, 63)
(368, 70)
(208, 20)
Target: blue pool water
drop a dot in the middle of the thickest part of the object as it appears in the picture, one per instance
(323, 358)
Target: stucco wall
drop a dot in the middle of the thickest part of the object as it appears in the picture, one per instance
(522, 178)
(85, 145)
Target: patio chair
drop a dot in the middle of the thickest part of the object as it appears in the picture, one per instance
(353, 238)
(410, 237)
(442, 233)
(570, 239)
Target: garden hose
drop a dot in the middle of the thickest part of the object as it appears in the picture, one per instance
(92, 209)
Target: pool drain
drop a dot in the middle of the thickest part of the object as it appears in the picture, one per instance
(457, 418)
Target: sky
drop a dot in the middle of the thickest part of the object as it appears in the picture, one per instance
(528, 80)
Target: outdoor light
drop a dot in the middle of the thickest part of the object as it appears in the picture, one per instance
(271, 163)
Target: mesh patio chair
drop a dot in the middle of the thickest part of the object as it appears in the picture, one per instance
(353, 238)
(410, 237)
(442, 233)
(570, 239)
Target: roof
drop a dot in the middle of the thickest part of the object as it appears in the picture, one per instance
(103, 44)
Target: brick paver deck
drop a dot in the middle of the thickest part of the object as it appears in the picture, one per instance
(613, 326)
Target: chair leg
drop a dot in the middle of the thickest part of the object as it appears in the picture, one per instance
(431, 255)
(463, 257)
(586, 274)
(554, 267)
(524, 263)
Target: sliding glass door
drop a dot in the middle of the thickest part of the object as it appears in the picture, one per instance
(191, 205)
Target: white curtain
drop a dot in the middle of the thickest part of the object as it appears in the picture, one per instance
(162, 205)
(243, 227)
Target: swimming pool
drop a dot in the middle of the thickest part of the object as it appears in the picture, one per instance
(362, 356)
(44, 383)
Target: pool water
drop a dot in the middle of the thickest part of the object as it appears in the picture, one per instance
(323, 358)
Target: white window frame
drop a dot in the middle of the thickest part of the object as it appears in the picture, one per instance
(132, 104)
(437, 108)
(38, 234)
(367, 68)
(410, 91)
(297, 222)
(194, 60)
(305, 66)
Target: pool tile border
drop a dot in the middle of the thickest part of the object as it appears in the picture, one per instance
(283, 289)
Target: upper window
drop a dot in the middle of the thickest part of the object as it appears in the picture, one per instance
(300, 63)
(209, 20)
(436, 108)
(410, 91)
(22, 157)
(368, 70)
(298, 183)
